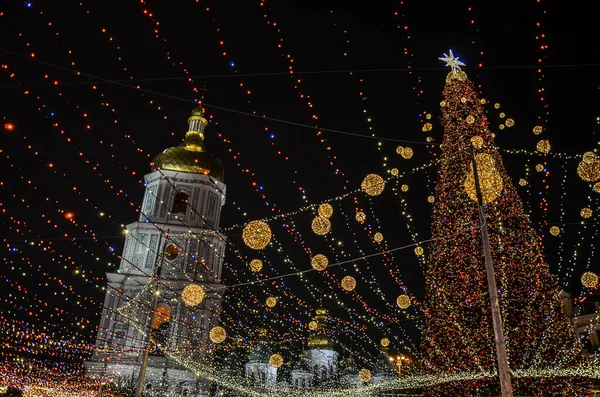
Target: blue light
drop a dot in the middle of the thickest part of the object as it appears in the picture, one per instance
(232, 64)
(260, 188)
(51, 113)
(28, 4)
(272, 136)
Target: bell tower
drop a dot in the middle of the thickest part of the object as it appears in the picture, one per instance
(177, 231)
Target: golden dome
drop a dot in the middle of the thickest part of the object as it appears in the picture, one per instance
(318, 338)
(191, 156)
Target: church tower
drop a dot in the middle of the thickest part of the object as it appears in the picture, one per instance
(321, 352)
(177, 231)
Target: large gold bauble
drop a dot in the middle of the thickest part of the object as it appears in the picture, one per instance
(319, 262)
(427, 127)
(596, 187)
(477, 141)
(589, 157)
(361, 216)
(271, 301)
(589, 280)
(539, 167)
(537, 130)
(171, 252)
(313, 325)
(192, 295)
(325, 210)
(586, 213)
(394, 171)
(256, 265)
(373, 185)
(256, 235)
(509, 123)
(378, 237)
(364, 375)
(385, 342)
(217, 334)
(555, 230)
(470, 119)
(589, 169)
(419, 250)
(348, 283)
(276, 360)
(403, 301)
(430, 199)
(321, 225)
(522, 182)
(404, 188)
(407, 153)
(543, 146)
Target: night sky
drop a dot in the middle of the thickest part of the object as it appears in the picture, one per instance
(91, 91)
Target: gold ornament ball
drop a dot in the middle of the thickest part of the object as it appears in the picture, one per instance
(217, 334)
(348, 283)
(256, 265)
(442, 103)
(427, 127)
(430, 199)
(276, 360)
(596, 187)
(589, 171)
(407, 153)
(171, 252)
(419, 250)
(539, 168)
(501, 127)
(373, 185)
(496, 105)
(502, 115)
(428, 116)
(543, 146)
(403, 301)
(509, 123)
(404, 188)
(477, 141)
(364, 375)
(325, 210)
(589, 157)
(482, 101)
(271, 301)
(319, 262)
(313, 325)
(378, 237)
(522, 182)
(429, 139)
(385, 342)
(394, 171)
(256, 235)
(321, 225)
(589, 280)
(537, 130)
(555, 230)
(360, 217)
(463, 100)
(400, 149)
(586, 213)
(192, 295)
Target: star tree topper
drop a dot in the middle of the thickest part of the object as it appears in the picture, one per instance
(454, 63)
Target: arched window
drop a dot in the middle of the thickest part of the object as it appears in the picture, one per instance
(180, 203)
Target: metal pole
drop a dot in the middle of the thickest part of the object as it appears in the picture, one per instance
(139, 389)
(503, 370)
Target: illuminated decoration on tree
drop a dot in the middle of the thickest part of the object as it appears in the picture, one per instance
(325, 210)
(192, 295)
(477, 142)
(364, 375)
(589, 167)
(313, 325)
(470, 119)
(419, 250)
(483, 101)
(403, 301)
(407, 153)
(555, 230)
(586, 213)
(537, 130)
(385, 342)
(321, 225)
(404, 188)
(543, 146)
(522, 182)
(361, 216)
(430, 199)
(348, 283)
(373, 185)
(256, 265)
(319, 262)
(589, 280)
(442, 104)
(496, 105)
(458, 326)
(502, 115)
(501, 126)
(490, 181)
(378, 237)
(218, 334)
(271, 301)
(256, 235)
(276, 360)
(539, 167)
(509, 123)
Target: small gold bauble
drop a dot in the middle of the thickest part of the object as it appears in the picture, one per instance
(501, 126)
(496, 105)
(348, 283)
(586, 213)
(522, 182)
(313, 325)
(378, 237)
(483, 101)
(256, 265)
(325, 210)
(539, 168)
(428, 116)
(537, 130)
(543, 146)
(429, 139)
(430, 199)
(394, 171)
(400, 149)
(256, 235)
(427, 127)
(403, 301)
(404, 188)
(493, 135)
(217, 334)
(589, 280)
(407, 153)
(171, 252)
(385, 342)
(419, 250)
(192, 295)
(319, 262)
(373, 185)
(271, 301)
(596, 187)
(555, 230)
(360, 217)
(364, 375)
(470, 119)
(321, 225)
(502, 115)
(509, 123)
(442, 103)
(276, 360)
(463, 100)
(477, 141)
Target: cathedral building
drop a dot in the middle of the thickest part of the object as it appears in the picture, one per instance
(177, 231)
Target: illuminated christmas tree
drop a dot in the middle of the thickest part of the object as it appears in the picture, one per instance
(459, 338)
